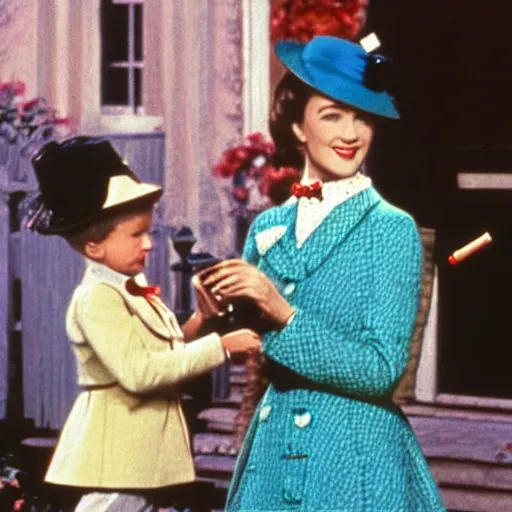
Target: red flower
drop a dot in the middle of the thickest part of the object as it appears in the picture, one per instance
(243, 156)
(27, 120)
(15, 88)
(301, 20)
(258, 145)
(27, 105)
(276, 183)
(18, 88)
(256, 139)
(241, 153)
(241, 194)
(225, 169)
(66, 121)
(249, 161)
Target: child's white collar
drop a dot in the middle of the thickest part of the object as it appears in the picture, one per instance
(101, 273)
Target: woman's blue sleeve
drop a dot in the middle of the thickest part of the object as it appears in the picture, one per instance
(371, 360)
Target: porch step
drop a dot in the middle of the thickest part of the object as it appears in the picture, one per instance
(40, 442)
(219, 419)
(214, 454)
(215, 466)
(237, 369)
(234, 399)
(238, 379)
(211, 443)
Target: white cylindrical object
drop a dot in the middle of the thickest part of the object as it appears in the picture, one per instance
(470, 248)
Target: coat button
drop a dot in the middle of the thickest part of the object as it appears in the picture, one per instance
(289, 289)
(265, 412)
(294, 498)
(303, 420)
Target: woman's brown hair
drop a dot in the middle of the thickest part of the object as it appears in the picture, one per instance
(290, 98)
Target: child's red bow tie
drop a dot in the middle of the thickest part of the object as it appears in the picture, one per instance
(143, 291)
(309, 191)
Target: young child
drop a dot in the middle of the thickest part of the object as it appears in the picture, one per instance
(125, 435)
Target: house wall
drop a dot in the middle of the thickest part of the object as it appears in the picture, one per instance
(18, 42)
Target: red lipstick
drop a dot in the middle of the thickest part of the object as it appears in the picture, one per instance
(347, 153)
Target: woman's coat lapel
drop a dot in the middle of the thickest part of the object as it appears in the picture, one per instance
(293, 264)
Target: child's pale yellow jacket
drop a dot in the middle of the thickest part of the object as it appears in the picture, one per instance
(128, 431)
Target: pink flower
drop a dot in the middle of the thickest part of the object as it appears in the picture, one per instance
(27, 105)
(18, 505)
(18, 88)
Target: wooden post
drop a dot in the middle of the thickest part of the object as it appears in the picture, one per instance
(4, 299)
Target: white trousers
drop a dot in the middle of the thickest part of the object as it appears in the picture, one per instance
(114, 502)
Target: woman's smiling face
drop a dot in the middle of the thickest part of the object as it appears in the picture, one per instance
(336, 138)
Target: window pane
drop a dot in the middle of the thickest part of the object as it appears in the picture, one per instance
(114, 31)
(138, 32)
(114, 87)
(138, 87)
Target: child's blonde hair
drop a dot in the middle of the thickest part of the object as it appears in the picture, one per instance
(100, 229)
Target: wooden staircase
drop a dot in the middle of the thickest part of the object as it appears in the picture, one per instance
(213, 447)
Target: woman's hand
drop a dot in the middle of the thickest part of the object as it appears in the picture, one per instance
(204, 304)
(242, 340)
(231, 279)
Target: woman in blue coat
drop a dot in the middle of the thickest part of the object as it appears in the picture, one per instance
(336, 269)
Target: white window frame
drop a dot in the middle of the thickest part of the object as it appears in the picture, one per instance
(131, 65)
(256, 57)
(126, 119)
(69, 68)
(427, 391)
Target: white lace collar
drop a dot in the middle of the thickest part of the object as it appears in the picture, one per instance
(335, 192)
(311, 212)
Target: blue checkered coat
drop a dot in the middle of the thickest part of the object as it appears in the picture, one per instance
(355, 284)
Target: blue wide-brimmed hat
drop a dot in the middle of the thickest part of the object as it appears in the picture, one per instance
(341, 70)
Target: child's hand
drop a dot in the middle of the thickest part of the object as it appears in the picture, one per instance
(241, 341)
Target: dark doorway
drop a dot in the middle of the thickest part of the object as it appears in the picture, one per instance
(454, 90)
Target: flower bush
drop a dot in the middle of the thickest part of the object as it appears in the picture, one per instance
(256, 184)
(27, 122)
(301, 20)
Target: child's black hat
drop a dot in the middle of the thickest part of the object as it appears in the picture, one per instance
(81, 180)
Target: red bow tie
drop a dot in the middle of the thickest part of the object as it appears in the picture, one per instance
(142, 291)
(309, 191)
